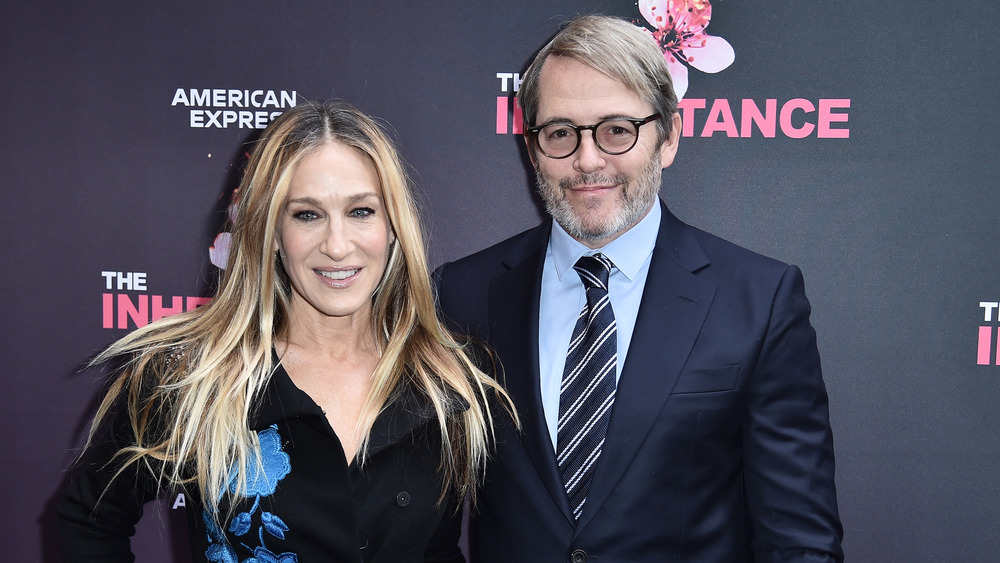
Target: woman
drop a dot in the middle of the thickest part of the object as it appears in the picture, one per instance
(316, 408)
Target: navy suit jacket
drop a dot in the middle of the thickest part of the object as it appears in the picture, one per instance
(719, 446)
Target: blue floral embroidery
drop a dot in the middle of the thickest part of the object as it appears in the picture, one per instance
(263, 555)
(275, 464)
(241, 524)
(274, 525)
(262, 481)
(218, 548)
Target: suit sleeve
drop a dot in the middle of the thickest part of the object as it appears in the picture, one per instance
(445, 296)
(99, 510)
(788, 443)
(461, 298)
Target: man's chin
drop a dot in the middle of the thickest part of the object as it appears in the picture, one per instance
(593, 232)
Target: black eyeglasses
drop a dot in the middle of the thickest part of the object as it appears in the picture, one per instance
(613, 136)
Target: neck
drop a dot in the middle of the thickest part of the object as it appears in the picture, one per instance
(334, 338)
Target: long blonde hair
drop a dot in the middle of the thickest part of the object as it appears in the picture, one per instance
(191, 380)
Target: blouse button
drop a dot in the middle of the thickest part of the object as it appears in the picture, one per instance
(403, 498)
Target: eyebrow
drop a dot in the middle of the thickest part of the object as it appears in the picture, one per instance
(554, 120)
(350, 199)
(366, 195)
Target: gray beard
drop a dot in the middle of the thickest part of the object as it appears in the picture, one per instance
(636, 198)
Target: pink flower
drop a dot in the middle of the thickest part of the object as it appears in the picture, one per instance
(680, 33)
(218, 252)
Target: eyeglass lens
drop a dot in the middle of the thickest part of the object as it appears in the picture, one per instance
(613, 136)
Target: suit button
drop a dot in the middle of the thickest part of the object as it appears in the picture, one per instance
(578, 556)
(403, 498)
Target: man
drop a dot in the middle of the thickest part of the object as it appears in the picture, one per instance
(688, 420)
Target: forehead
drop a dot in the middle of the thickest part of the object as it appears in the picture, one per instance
(334, 166)
(569, 89)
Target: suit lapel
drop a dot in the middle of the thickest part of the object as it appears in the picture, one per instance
(514, 299)
(674, 306)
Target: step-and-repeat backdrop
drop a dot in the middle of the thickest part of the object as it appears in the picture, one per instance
(856, 139)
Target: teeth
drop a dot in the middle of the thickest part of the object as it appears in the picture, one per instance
(339, 275)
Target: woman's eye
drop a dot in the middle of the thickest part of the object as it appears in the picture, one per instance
(305, 215)
(362, 212)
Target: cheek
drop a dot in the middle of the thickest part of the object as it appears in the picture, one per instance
(294, 243)
(282, 236)
(548, 168)
(373, 240)
(553, 172)
(383, 246)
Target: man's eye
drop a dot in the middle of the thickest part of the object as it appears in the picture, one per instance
(560, 133)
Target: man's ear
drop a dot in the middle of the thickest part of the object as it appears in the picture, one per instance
(669, 147)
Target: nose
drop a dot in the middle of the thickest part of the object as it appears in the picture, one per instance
(588, 157)
(338, 243)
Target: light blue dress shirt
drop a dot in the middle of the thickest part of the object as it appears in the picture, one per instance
(563, 297)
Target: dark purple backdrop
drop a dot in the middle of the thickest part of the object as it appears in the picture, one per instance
(895, 226)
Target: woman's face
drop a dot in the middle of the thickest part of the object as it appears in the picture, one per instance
(334, 235)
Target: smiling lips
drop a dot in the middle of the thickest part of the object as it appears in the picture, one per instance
(591, 183)
(340, 277)
(592, 190)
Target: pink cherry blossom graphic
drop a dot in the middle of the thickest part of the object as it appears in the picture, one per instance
(679, 30)
(218, 252)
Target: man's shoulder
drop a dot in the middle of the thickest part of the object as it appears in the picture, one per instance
(497, 258)
(720, 247)
(463, 285)
(725, 258)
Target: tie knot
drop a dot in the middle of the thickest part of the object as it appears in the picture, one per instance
(594, 270)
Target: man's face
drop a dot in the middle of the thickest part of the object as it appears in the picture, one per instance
(593, 195)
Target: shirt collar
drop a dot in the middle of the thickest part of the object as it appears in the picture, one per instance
(405, 411)
(628, 252)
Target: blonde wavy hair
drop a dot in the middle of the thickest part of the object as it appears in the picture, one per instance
(190, 381)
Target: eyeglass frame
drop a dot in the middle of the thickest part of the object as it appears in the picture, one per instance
(638, 123)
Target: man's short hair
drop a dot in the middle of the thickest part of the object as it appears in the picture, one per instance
(614, 47)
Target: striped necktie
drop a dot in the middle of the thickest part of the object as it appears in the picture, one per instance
(588, 383)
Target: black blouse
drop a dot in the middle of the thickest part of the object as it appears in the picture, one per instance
(306, 505)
